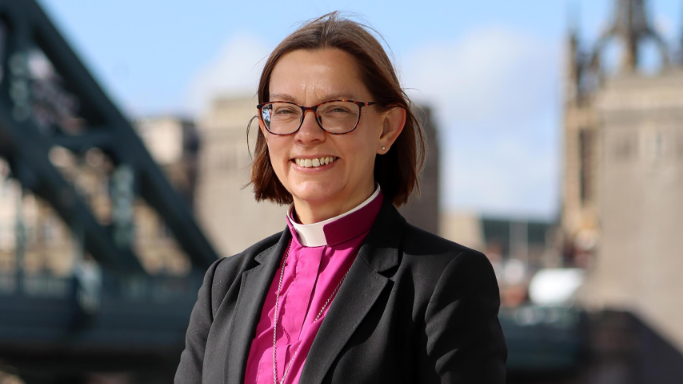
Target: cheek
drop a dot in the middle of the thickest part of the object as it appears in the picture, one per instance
(362, 153)
(277, 154)
(370, 139)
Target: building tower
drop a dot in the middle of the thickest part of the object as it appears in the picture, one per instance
(623, 182)
(579, 208)
(225, 204)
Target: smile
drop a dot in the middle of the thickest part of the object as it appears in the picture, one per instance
(312, 163)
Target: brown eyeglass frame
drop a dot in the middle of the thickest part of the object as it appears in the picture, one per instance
(314, 108)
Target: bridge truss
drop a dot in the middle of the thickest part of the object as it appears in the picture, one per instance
(110, 314)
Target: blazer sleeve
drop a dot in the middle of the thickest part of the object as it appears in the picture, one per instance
(191, 360)
(463, 338)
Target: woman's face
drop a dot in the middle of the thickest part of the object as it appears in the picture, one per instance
(310, 77)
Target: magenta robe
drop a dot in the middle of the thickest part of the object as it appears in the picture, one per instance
(310, 277)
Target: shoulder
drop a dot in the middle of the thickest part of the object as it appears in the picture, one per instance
(228, 268)
(421, 255)
(438, 261)
(446, 272)
(456, 297)
(420, 243)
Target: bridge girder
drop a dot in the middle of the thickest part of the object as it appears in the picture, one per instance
(25, 144)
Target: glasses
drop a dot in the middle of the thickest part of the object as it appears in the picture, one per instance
(335, 116)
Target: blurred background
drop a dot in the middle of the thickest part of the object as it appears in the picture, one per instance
(555, 133)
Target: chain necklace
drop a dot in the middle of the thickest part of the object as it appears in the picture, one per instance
(277, 300)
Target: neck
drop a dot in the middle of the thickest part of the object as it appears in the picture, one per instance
(308, 212)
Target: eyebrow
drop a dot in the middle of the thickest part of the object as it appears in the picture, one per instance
(334, 96)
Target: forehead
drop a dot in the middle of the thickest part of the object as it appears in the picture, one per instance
(310, 76)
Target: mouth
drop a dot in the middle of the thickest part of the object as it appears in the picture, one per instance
(314, 162)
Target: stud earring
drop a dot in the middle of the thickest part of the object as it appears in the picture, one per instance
(384, 148)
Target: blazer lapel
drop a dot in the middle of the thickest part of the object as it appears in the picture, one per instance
(357, 294)
(255, 284)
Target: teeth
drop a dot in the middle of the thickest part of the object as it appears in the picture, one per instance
(308, 163)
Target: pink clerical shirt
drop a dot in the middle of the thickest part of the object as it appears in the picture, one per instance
(320, 254)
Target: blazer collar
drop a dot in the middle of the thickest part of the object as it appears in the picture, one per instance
(254, 286)
(380, 250)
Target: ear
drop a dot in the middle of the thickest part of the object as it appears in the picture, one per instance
(392, 126)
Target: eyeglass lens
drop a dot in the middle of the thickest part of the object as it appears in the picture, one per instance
(334, 117)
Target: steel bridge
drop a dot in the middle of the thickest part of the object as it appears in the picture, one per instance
(109, 315)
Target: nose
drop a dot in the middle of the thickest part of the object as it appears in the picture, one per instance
(310, 132)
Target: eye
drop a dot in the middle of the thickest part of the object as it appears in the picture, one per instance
(338, 109)
(284, 111)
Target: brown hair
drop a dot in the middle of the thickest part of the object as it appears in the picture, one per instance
(397, 170)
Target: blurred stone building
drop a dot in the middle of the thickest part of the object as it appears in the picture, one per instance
(423, 208)
(225, 205)
(623, 183)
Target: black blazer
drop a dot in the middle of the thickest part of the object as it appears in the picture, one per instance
(414, 308)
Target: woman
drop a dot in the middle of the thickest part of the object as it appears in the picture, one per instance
(348, 292)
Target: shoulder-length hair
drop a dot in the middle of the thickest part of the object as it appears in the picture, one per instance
(397, 170)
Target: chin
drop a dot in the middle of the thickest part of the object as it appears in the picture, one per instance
(315, 193)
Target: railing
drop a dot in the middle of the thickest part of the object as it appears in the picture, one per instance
(543, 338)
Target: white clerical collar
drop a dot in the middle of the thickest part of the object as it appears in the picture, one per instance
(313, 235)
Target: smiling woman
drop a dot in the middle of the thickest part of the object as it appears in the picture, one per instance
(341, 129)
(349, 292)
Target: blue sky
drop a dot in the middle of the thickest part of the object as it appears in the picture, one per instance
(490, 68)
